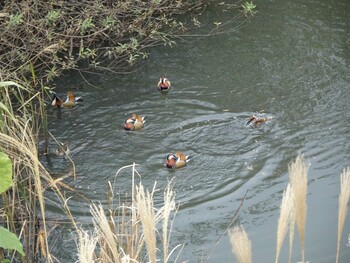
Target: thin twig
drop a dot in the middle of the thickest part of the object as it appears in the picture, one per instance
(233, 220)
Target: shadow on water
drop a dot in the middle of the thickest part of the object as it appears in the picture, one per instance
(292, 63)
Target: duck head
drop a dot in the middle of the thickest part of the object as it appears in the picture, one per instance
(129, 124)
(171, 161)
(251, 118)
(164, 83)
(56, 101)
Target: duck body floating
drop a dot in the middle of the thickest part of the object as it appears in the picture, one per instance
(134, 123)
(164, 84)
(177, 160)
(63, 149)
(255, 121)
(57, 102)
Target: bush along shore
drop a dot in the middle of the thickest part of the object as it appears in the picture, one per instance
(47, 37)
(40, 40)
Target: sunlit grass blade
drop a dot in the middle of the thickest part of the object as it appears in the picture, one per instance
(343, 202)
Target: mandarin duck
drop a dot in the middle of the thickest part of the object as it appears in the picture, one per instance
(257, 121)
(164, 84)
(62, 149)
(68, 103)
(176, 160)
(134, 123)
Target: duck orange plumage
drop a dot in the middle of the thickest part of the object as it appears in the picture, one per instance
(164, 84)
(134, 123)
(177, 160)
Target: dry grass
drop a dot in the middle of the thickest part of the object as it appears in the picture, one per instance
(144, 204)
(291, 235)
(343, 202)
(168, 208)
(129, 233)
(86, 246)
(298, 179)
(241, 245)
(24, 203)
(286, 215)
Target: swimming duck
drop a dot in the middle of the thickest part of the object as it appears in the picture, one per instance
(134, 123)
(68, 103)
(62, 149)
(257, 121)
(164, 84)
(176, 160)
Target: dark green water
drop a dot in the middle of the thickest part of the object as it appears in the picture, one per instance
(291, 62)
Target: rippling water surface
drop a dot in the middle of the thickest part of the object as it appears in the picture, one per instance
(291, 62)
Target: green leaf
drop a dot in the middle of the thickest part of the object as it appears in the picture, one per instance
(5, 172)
(9, 240)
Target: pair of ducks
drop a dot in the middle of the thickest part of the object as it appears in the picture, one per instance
(68, 103)
(57, 102)
(136, 122)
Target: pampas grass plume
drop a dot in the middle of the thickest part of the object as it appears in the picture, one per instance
(241, 245)
(86, 246)
(298, 179)
(284, 219)
(343, 201)
(145, 208)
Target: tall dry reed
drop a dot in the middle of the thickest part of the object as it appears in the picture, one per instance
(241, 244)
(298, 179)
(286, 215)
(343, 202)
(109, 244)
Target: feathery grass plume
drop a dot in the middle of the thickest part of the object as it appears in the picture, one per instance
(86, 246)
(169, 206)
(241, 245)
(298, 180)
(109, 247)
(343, 201)
(284, 219)
(291, 233)
(145, 208)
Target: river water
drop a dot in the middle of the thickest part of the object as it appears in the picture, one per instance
(291, 62)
